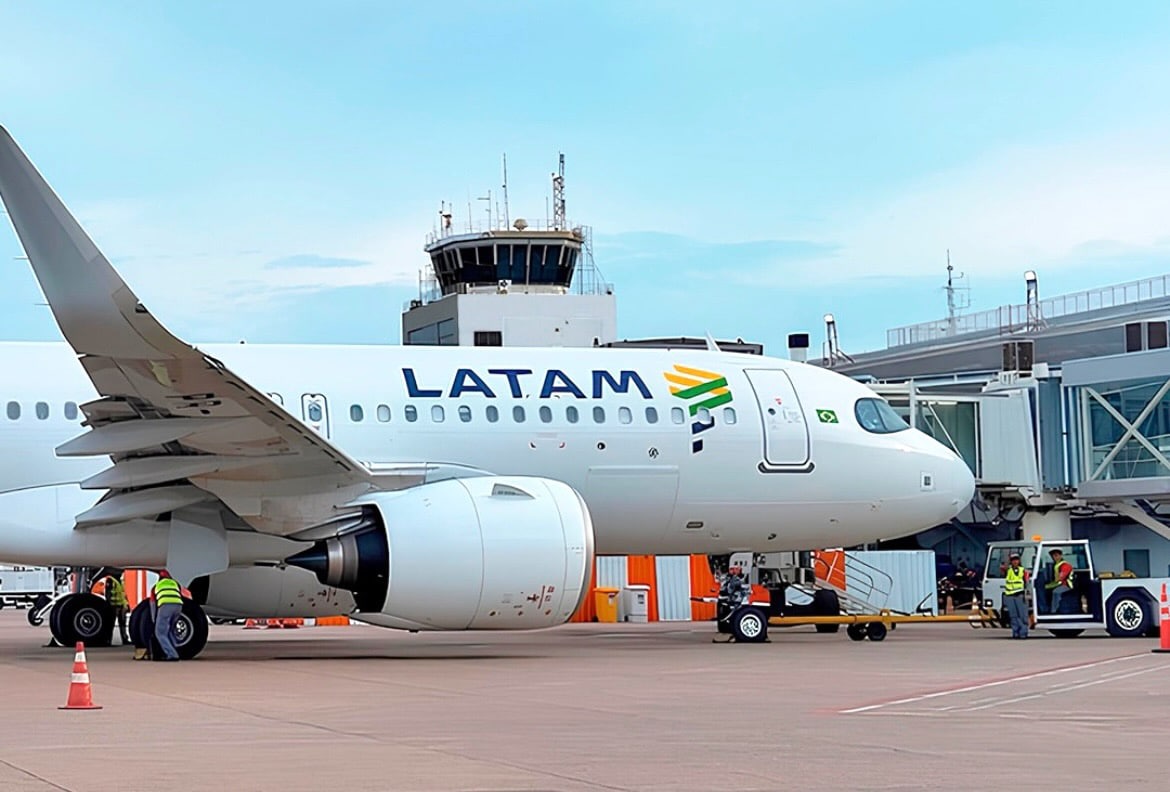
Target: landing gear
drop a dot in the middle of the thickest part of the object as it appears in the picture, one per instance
(82, 617)
(190, 630)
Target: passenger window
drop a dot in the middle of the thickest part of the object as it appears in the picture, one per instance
(703, 416)
(518, 414)
(437, 414)
(625, 416)
(546, 414)
(42, 410)
(356, 414)
(729, 416)
(465, 413)
(571, 414)
(70, 411)
(676, 415)
(651, 415)
(411, 413)
(384, 413)
(315, 413)
(598, 415)
(14, 411)
(493, 414)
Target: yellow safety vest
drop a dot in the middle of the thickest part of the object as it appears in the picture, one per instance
(115, 594)
(1055, 583)
(1014, 581)
(167, 592)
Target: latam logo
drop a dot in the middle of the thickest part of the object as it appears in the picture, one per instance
(704, 390)
(553, 382)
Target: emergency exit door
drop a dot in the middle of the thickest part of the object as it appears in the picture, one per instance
(784, 427)
(315, 413)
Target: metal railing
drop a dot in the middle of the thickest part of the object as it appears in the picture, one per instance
(482, 226)
(1015, 318)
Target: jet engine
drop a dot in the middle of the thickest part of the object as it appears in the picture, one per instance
(485, 553)
(268, 593)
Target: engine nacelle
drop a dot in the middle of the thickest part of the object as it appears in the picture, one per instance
(485, 553)
(269, 593)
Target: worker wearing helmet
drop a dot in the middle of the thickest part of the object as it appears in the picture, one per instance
(1062, 579)
(1015, 596)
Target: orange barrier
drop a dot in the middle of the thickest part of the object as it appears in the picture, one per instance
(588, 610)
(703, 584)
(80, 692)
(332, 621)
(1164, 625)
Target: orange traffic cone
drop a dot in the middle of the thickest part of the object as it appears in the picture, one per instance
(1164, 625)
(252, 624)
(80, 694)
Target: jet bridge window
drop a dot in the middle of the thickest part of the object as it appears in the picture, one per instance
(70, 411)
(14, 411)
(356, 414)
(42, 411)
(384, 413)
(876, 416)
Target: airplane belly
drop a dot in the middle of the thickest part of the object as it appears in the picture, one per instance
(632, 506)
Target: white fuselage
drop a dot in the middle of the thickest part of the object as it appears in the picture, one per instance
(777, 459)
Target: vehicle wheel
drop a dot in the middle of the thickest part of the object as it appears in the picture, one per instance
(875, 631)
(33, 618)
(1066, 633)
(191, 631)
(826, 603)
(86, 618)
(856, 632)
(1126, 616)
(749, 625)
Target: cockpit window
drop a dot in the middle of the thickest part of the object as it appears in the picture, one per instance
(876, 416)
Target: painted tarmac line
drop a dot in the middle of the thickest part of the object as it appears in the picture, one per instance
(986, 685)
(1066, 688)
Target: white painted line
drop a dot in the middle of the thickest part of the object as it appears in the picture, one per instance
(986, 685)
(1065, 689)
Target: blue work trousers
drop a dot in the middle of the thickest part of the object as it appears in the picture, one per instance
(1017, 608)
(164, 628)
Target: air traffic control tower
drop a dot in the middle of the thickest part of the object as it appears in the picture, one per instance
(511, 283)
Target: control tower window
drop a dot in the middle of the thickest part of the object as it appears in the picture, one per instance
(876, 416)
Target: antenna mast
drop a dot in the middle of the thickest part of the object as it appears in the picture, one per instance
(558, 181)
(953, 307)
(507, 217)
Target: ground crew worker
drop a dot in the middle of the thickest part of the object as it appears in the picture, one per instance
(1062, 579)
(168, 600)
(116, 595)
(1015, 596)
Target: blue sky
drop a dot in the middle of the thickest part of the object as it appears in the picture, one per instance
(269, 170)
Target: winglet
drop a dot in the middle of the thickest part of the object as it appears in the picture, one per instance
(95, 309)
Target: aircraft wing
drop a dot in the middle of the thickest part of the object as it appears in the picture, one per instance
(179, 425)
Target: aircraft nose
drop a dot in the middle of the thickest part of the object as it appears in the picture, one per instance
(960, 486)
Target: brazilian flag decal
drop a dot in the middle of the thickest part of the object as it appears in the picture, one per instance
(827, 416)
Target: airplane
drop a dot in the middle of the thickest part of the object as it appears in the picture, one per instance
(418, 488)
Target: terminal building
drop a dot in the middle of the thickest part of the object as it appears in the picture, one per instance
(1060, 406)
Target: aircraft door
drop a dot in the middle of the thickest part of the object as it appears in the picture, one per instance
(784, 427)
(315, 413)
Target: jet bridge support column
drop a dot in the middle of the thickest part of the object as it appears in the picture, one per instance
(1047, 525)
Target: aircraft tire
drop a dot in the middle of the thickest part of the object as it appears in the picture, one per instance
(86, 618)
(191, 626)
(749, 625)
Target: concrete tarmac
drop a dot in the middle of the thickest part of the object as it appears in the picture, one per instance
(587, 707)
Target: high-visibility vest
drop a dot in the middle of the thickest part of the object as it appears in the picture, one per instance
(1014, 581)
(115, 593)
(1056, 574)
(167, 592)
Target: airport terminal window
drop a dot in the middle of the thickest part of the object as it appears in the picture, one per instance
(493, 414)
(876, 416)
(651, 415)
(729, 416)
(42, 410)
(437, 414)
(465, 413)
(384, 413)
(625, 416)
(546, 414)
(518, 414)
(70, 411)
(571, 414)
(489, 338)
(411, 413)
(14, 411)
(598, 415)
(676, 415)
(356, 414)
